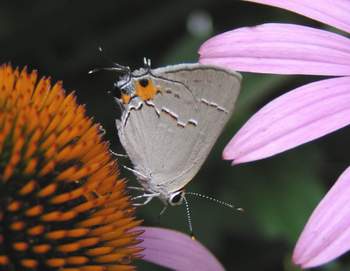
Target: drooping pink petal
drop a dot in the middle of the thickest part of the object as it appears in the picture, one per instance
(280, 49)
(332, 12)
(327, 233)
(176, 251)
(297, 117)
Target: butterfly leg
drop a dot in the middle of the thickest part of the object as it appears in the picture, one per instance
(137, 173)
(117, 154)
(148, 197)
(163, 211)
(138, 188)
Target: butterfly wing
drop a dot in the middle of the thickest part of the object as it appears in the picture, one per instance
(195, 103)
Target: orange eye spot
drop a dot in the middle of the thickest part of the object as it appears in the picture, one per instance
(145, 89)
(125, 98)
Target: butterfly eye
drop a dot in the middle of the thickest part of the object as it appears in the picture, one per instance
(176, 198)
(143, 82)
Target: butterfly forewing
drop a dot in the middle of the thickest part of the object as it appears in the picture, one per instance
(194, 104)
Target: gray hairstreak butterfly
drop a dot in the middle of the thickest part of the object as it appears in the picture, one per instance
(171, 118)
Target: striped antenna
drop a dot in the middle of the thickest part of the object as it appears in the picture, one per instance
(189, 220)
(229, 205)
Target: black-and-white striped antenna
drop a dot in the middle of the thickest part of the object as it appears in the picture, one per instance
(189, 220)
(116, 67)
(226, 204)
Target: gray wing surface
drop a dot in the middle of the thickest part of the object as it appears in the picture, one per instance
(200, 96)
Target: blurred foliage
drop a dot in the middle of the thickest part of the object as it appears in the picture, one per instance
(61, 38)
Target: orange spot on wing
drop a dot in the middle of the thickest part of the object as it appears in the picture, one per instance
(147, 92)
(125, 98)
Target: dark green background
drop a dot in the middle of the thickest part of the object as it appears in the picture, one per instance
(60, 39)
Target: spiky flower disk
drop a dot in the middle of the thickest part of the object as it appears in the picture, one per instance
(62, 206)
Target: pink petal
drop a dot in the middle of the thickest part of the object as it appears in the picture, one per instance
(279, 48)
(297, 117)
(332, 12)
(327, 233)
(177, 251)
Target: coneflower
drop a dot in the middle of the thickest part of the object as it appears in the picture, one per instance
(62, 205)
(301, 115)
